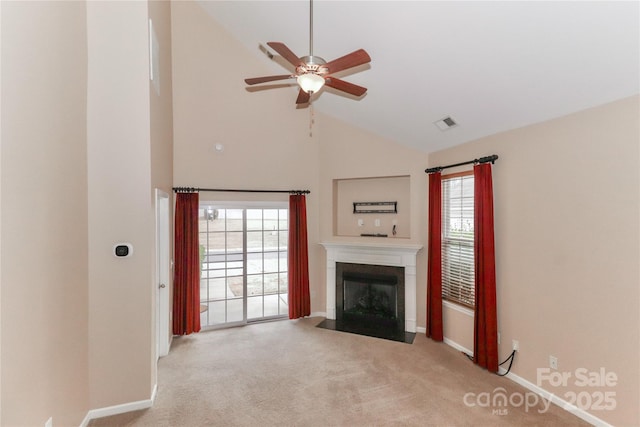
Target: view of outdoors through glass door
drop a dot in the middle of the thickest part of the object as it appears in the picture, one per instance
(243, 258)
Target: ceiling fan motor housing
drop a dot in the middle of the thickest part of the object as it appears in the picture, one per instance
(312, 64)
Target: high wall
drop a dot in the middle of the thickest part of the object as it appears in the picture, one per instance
(567, 200)
(44, 214)
(266, 140)
(267, 143)
(130, 154)
(349, 152)
(84, 143)
(161, 115)
(161, 100)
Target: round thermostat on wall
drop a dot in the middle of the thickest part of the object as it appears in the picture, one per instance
(122, 250)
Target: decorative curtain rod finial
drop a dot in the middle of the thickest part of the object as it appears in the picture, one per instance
(488, 159)
(492, 158)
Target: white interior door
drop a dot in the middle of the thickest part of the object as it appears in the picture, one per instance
(163, 266)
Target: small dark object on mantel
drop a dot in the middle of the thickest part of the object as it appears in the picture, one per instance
(373, 235)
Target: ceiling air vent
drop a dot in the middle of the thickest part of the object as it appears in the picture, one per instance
(445, 124)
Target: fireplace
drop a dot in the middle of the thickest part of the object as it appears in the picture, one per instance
(371, 287)
(370, 296)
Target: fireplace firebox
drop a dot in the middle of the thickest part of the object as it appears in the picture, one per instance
(370, 300)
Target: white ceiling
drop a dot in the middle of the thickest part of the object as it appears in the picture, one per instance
(491, 66)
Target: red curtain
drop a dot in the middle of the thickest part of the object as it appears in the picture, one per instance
(434, 262)
(299, 300)
(186, 283)
(485, 343)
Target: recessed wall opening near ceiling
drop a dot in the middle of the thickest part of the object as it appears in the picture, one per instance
(374, 214)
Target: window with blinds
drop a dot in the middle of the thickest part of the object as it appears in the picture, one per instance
(457, 239)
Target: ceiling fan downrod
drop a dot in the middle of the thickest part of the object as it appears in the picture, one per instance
(309, 78)
(311, 28)
(310, 60)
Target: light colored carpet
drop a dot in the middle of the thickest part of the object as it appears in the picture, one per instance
(290, 373)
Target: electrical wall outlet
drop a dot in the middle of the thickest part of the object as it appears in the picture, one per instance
(49, 422)
(553, 362)
(515, 344)
(376, 222)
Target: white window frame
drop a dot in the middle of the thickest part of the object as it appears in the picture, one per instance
(458, 277)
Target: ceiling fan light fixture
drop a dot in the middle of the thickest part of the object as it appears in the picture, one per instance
(312, 72)
(310, 82)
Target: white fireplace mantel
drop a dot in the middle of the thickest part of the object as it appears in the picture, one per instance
(374, 253)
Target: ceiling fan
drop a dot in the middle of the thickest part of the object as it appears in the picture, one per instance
(313, 72)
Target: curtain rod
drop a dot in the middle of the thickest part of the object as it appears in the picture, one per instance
(492, 158)
(196, 189)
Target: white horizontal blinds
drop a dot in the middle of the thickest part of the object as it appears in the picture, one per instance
(457, 240)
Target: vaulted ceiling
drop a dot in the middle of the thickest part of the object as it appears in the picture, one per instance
(491, 66)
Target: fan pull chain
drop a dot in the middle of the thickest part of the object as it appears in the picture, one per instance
(312, 119)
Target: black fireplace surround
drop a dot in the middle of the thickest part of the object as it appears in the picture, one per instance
(370, 300)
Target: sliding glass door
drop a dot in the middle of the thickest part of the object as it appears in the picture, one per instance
(243, 253)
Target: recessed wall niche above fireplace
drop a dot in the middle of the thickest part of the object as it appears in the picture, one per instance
(372, 287)
(393, 221)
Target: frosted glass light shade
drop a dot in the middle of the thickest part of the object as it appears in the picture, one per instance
(310, 82)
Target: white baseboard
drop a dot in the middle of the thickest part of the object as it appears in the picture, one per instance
(120, 409)
(580, 413)
(457, 346)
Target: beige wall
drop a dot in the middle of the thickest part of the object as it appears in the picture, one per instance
(341, 157)
(567, 203)
(85, 143)
(266, 139)
(379, 189)
(0, 215)
(161, 104)
(76, 179)
(267, 142)
(120, 204)
(44, 214)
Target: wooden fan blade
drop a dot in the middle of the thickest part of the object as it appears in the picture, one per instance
(265, 79)
(350, 60)
(345, 86)
(286, 53)
(303, 97)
